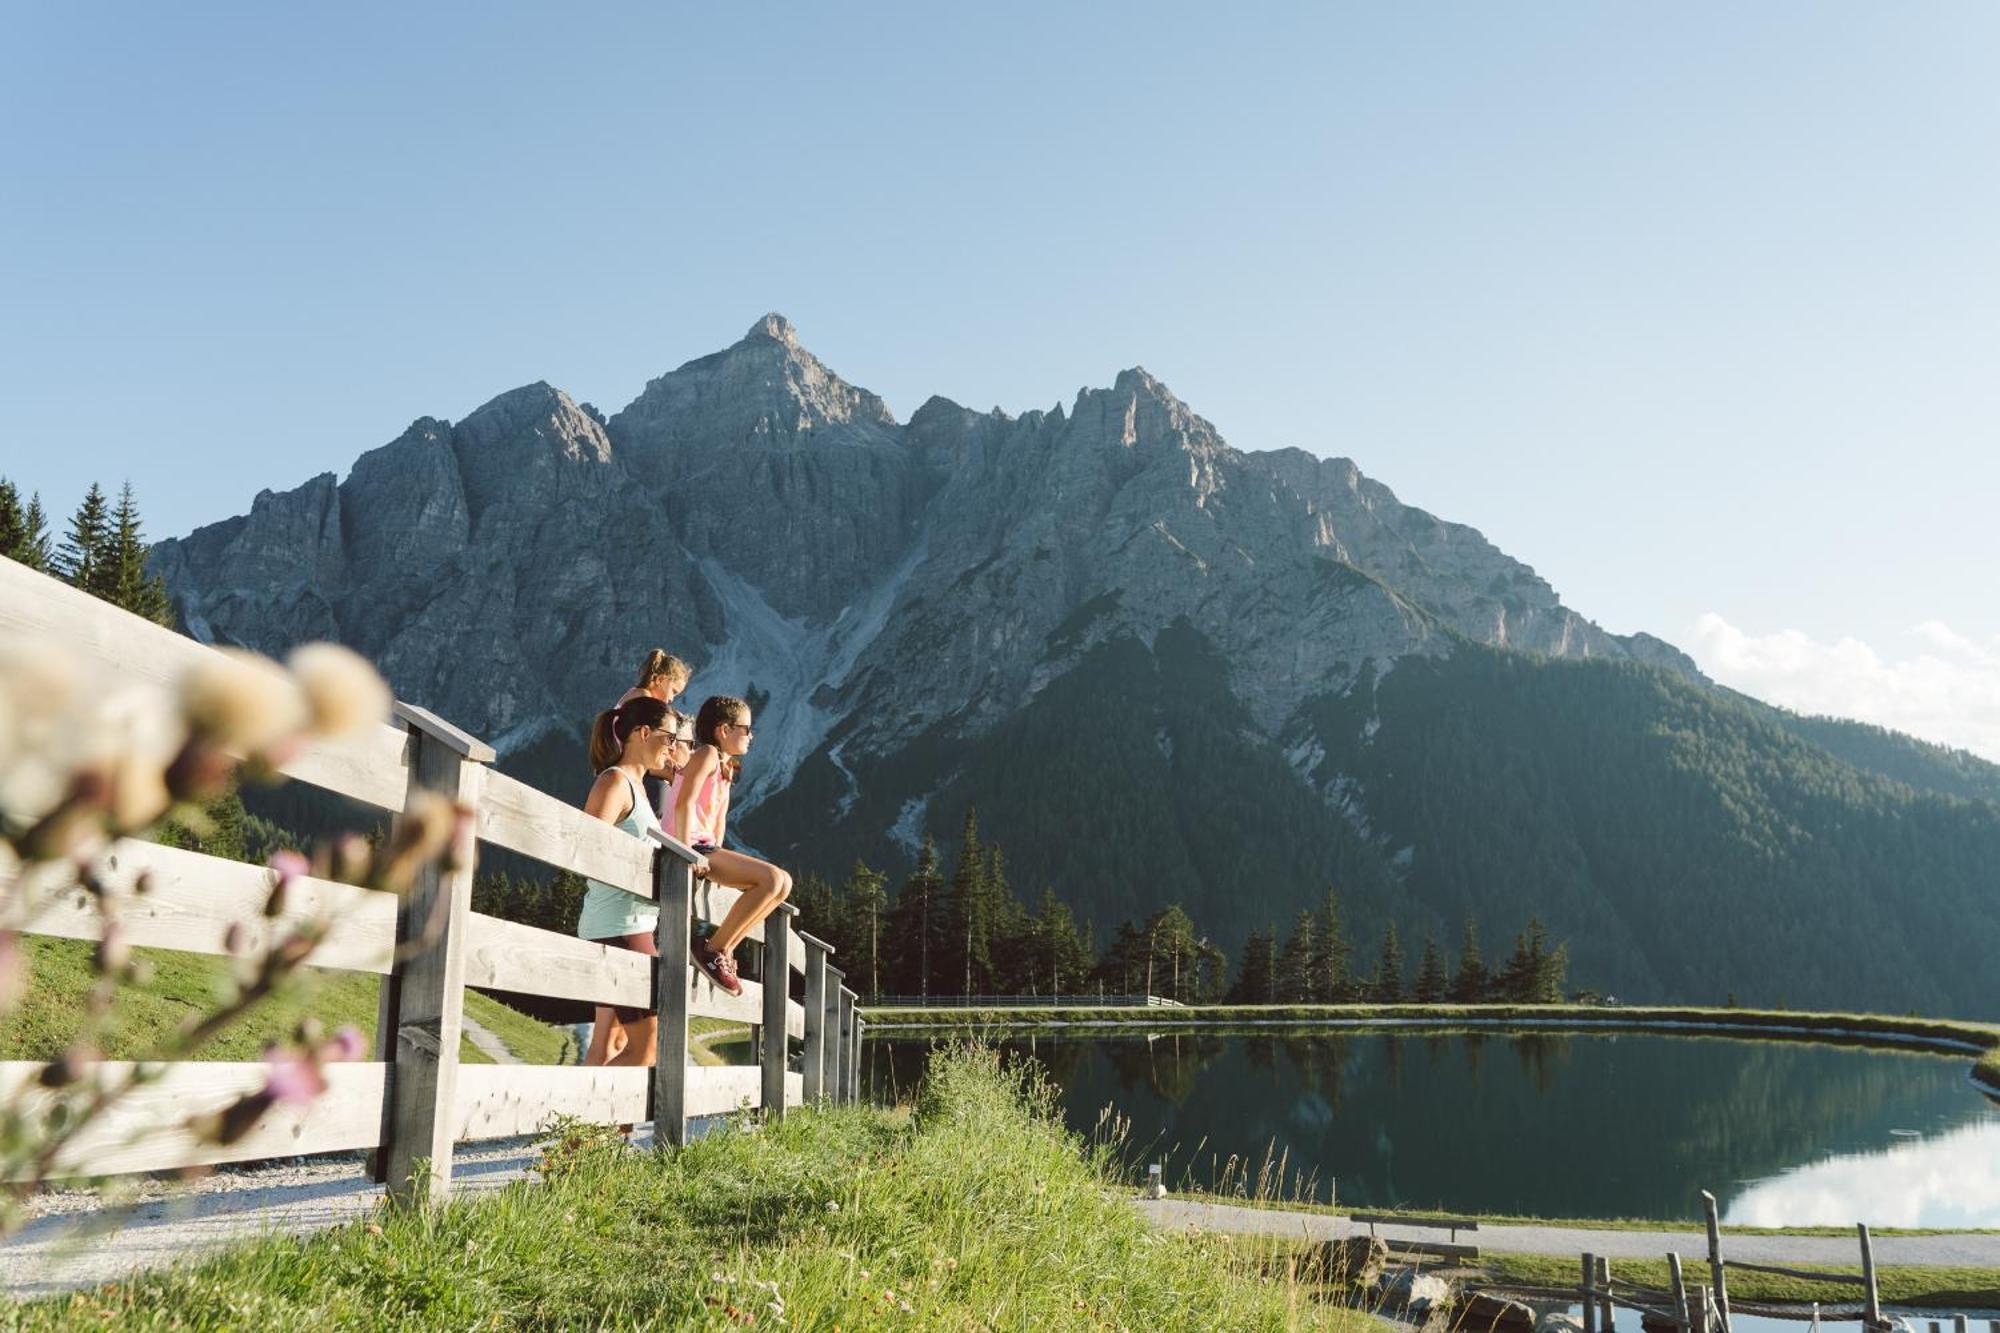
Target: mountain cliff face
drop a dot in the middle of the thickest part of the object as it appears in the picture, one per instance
(963, 607)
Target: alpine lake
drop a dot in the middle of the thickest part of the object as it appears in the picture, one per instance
(1536, 1123)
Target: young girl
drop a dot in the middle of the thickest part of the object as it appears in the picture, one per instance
(661, 675)
(648, 736)
(698, 810)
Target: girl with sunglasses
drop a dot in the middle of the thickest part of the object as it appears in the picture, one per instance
(649, 737)
(698, 814)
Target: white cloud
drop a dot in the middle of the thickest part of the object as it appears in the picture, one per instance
(1946, 688)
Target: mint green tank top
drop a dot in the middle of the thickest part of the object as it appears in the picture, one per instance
(609, 912)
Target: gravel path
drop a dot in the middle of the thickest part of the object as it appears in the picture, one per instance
(485, 1040)
(1968, 1249)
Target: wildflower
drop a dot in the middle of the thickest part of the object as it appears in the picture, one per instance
(833, 1205)
(242, 701)
(904, 1306)
(426, 829)
(136, 790)
(292, 1077)
(347, 1043)
(343, 693)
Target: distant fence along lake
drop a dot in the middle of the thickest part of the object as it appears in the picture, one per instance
(1558, 1125)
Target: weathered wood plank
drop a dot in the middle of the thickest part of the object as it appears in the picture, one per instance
(720, 1089)
(147, 1131)
(813, 1060)
(369, 766)
(709, 1000)
(795, 1093)
(673, 886)
(497, 1101)
(366, 766)
(1436, 1223)
(516, 816)
(424, 999)
(776, 1008)
(505, 955)
(1803, 1274)
(191, 899)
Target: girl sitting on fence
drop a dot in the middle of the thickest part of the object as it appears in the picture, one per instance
(698, 814)
(638, 737)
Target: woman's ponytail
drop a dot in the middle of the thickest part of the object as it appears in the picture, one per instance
(613, 725)
(604, 747)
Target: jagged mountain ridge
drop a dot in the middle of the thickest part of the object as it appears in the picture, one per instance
(895, 595)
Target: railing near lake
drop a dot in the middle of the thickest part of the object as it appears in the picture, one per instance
(415, 1100)
(1022, 1001)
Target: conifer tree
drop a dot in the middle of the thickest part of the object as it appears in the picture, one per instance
(1468, 983)
(13, 521)
(865, 895)
(1388, 984)
(967, 953)
(36, 552)
(1257, 976)
(81, 561)
(1061, 959)
(1332, 982)
(913, 923)
(1431, 980)
(1518, 980)
(126, 580)
(1296, 983)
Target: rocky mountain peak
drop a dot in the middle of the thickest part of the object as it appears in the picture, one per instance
(765, 390)
(775, 327)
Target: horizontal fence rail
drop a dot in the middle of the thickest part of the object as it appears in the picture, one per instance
(415, 1100)
(1022, 1001)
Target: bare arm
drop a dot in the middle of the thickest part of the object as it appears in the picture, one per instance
(610, 798)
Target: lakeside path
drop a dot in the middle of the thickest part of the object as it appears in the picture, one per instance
(1950, 1249)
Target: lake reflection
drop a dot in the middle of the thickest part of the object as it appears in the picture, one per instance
(1556, 1125)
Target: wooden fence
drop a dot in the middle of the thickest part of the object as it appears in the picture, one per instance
(415, 1100)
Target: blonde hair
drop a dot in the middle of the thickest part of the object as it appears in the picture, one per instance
(659, 663)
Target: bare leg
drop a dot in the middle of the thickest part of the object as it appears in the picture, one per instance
(762, 885)
(600, 1052)
(641, 1044)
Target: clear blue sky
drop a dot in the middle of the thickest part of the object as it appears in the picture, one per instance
(1694, 308)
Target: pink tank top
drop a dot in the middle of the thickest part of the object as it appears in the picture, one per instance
(711, 803)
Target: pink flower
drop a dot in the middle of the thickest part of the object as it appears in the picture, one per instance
(289, 865)
(346, 1044)
(294, 1077)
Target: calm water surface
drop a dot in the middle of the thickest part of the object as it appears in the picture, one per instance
(1783, 1133)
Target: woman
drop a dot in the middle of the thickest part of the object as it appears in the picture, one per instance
(698, 808)
(650, 737)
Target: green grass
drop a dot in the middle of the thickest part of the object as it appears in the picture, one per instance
(1926, 1287)
(185, 984)
(717, 1041)
(977, 1210)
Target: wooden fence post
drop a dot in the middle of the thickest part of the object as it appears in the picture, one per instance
(1716, 1270)
(829, 1078)
(1701, 1311)
(1608, 1311)
(777, 992)
(1588, 1295)
(1873, 1299)
(423, 998)
(1680, 1291)
(860, 1028)
(845, 1087)
(815, 1052)
(673, 889)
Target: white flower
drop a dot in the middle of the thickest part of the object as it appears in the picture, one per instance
(833, 1205)
(242, 701)
(343, 692)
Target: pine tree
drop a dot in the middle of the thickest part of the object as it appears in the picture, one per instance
(36, 553)
(1332, 982)
(968, 953)
(83, 556)
(913, 924)
(13, 521)
(1517, 981)
(1388, 983)
(127, 582)
(1431, 980)
(1062, 955)
(1468, 984)
(866, 893)
(1296, 983)
(1257, 978)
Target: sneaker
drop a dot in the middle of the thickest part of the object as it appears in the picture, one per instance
(718, 967)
